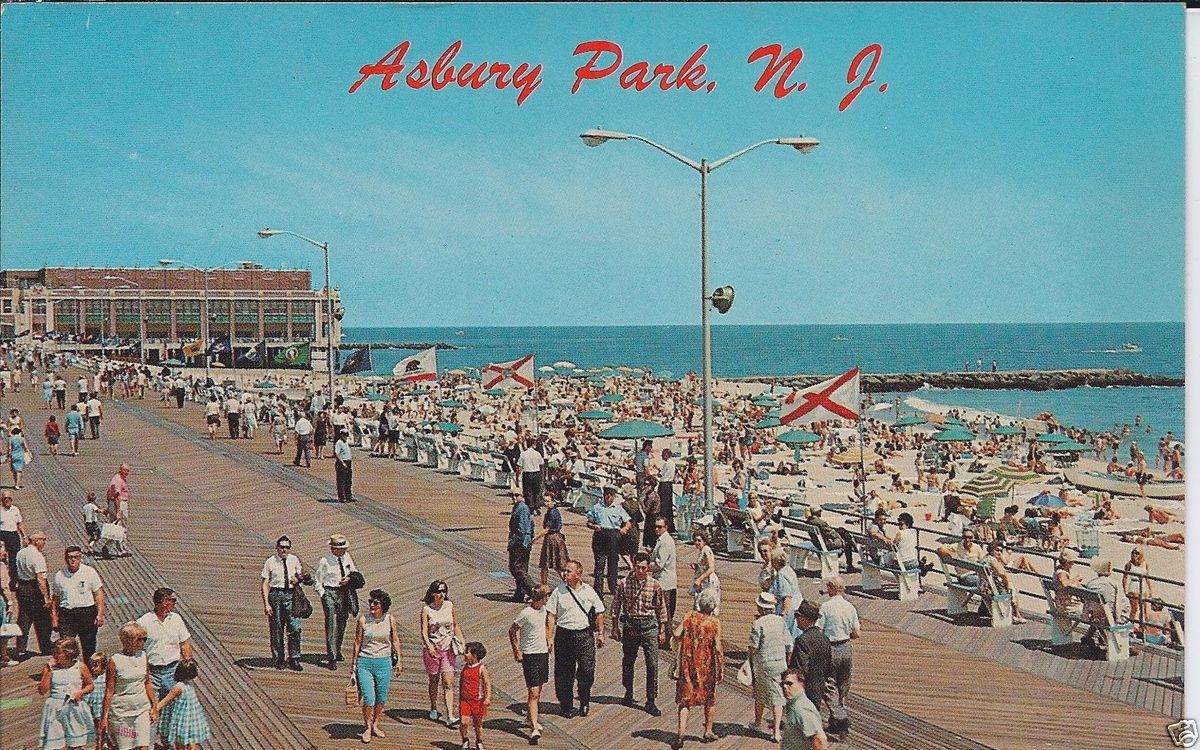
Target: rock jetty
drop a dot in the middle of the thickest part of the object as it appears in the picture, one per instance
(1026, 380)
(345, 345)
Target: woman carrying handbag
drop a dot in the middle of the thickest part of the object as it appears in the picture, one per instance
(375, 661)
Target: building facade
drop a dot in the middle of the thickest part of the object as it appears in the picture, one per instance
(162, 309)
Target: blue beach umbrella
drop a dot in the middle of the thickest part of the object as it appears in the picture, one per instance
(1006, 429)
(1053, 437)
(636, 429)
(953, 435)
(767, 422)
(1047, 500)
(377, 396)
(495, 392)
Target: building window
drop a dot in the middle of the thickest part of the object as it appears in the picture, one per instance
(218, 314)
(303, 320)
(39, 306)
(158, 319)
(129, 314)
(66, 316)
(275, 319)
(187, 319)
(7, 308)
(245, 314)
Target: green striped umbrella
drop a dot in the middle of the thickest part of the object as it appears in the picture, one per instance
(987, 485)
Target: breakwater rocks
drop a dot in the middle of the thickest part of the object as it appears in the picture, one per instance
(1026, 380)
(345, 345)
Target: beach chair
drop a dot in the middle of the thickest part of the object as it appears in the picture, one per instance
(739, 531)
(908, 579)
(959, 591)
(804, 550)
(1094, 612)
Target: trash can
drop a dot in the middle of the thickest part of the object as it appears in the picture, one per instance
(1087, 537)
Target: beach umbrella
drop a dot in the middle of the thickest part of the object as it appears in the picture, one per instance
(596, 380)
(463, 388)
(566, 365)
(596, 414)
(266, 384)
(764, 400)
(449, 427)
(1069, 447)
(1053, 437)
(611, 398)
(909, 421)
(376, 396)
(798, 437)
(1006, 429)
(545, 368)
(854, 455)
(987, 485)
(953, 435)
(664, 375)
(1046, 500)
(636, 429)
(451, 404)
(495, 392)
(419, 392)
(456, 372)
(768, 422)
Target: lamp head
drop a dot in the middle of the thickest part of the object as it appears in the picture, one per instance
(595, 137)
(801, 144)
(722, 299)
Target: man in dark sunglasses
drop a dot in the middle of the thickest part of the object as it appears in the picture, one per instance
(801, 726)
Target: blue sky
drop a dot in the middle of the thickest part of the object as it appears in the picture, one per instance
(1024, 164)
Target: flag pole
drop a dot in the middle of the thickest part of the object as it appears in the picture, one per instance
(537, 423)
(862, 451)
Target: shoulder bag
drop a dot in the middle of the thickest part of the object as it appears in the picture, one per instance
(591, 613)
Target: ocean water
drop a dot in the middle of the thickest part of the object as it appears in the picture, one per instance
(828, 349)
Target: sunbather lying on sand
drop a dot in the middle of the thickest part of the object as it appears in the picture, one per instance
(1159, 515)
(1152, 539)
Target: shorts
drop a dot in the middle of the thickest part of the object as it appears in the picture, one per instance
(93, 530)
(443, 662)
(471, 707)
(393, 436)
(213, 419)
(536, 668)
(52, 440)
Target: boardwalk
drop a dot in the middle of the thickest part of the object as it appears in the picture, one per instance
(205, 514)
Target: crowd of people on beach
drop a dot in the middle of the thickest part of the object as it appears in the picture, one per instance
(800, 653)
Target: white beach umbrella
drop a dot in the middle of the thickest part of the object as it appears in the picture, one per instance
(463, 388)
(565, 364)
(545, 368)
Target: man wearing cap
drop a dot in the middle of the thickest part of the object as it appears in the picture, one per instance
(639, 621)
(767, 650)
(33, 594)
(520, 544)
(280, 574)
(811, 652)
(608, 521)
(341, 467)
(77, 601)
(339, 601)
(167, 642)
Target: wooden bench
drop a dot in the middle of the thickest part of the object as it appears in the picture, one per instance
(498, 474)
(427, 452)
(739, 530)
(959, 592)
(1063, 621)
(406, 450)
(908, 579)
(476, 464)
(803, 551)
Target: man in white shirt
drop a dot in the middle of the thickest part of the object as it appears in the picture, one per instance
(77, 601)
(839, 620)
(304, 431)
(343, 467)
(530, 463)
(12, 530)
(280, 574)
(95, 411)
(567, 622)
(167, 641)
(663, 565)
(82, 385)
(666, 488)
(33, 594)
(60, 391)
(339, 600)
(233, 416)
(179, 390)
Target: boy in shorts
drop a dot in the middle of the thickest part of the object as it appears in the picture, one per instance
(474, 694)
(528, 638)
(91, 521)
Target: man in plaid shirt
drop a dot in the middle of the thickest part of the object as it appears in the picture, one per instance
(639, 618)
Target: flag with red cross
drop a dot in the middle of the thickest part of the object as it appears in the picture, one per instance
(836, 398)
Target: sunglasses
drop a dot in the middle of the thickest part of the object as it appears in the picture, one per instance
(788, 683)
(283, 546)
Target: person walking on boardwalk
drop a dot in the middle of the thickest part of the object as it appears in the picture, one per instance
(77, 602)
(608, 521)
(554, 545)
(439, 629)
(664, 566)
(182, 721)
(531, 463)
(767, 649)
(304, 431)
(699, 666)
(118, 495)
(12, 530)
(168, 641)
(342, 467)
(811, 653)
(530, 645)
(19, 454)
(801, 728)
(74, 421)
(66, 682)
(233, 416)
(334, 586)
(129, 704)
(60, 391)
(520, 544)
(95, 412)
(33, 595)
(839, 619)
(280, 574)
(639, 621)
(376, 659)
(575, 622)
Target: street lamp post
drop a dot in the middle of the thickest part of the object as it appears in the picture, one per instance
(324, 246)
(593, 138)
(141, 312)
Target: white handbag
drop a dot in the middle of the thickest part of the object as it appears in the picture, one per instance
(745, 675)
(10, 630)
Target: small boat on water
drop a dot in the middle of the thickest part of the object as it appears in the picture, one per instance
(840, 338)
(1117, 484)
(1131, 347)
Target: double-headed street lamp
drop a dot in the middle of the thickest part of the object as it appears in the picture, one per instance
(267, 232)
(167, 263)
(721, 298)
(141, 310)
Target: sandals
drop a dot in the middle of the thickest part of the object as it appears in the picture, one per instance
(709, 738)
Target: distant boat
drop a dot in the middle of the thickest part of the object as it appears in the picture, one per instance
(464, 333)
(1129, 346)
(1162, 489)
(840, 338)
